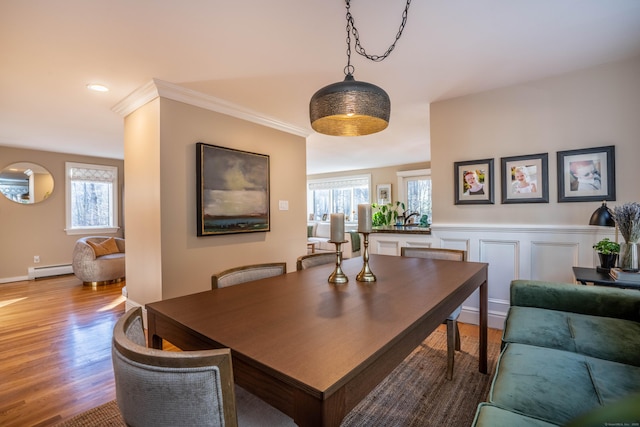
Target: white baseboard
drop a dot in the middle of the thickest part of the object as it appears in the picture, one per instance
(13, 279)
(49, 271)
(471, 315)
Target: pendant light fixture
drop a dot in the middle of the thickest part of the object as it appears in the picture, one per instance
(350, 107)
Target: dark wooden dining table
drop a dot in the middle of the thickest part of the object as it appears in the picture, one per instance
(313, 349)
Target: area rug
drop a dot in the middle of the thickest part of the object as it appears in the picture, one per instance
(416, 393)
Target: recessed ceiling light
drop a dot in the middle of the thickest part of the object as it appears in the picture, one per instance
(97, 87)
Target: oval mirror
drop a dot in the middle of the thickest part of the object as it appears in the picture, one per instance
(26, 182)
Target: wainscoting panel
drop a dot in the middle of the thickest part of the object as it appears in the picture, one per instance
(391, 243)
(503, 259)
(384, 246)
(549, 261)
(519, 252)
(459, 244)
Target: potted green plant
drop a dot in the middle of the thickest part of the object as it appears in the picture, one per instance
(607, 252)
(386, 214)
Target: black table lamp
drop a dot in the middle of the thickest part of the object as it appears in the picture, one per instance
(603, 217)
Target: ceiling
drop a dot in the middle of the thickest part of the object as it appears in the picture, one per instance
(270, 57)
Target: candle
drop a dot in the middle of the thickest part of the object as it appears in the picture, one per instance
(337, 227)
(364, 218)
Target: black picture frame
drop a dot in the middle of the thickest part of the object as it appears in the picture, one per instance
(232, 191)
(587, 175)
(483, 171)
(525, 179)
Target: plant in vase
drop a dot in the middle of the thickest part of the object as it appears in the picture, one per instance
(386, 214)
(627, 218)
(607, 252)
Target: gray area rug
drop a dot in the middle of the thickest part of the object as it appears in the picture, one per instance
(416, 393)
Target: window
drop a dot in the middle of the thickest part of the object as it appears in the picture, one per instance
(415, 190)
(337, 195)
(92, 203)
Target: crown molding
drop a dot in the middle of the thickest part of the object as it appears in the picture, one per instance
(159, 88)
(136, 99)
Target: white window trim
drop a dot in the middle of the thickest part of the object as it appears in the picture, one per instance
(114, 205)
(403, 175)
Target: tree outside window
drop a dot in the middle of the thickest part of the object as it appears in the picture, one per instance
(91, 198)
(337, 195)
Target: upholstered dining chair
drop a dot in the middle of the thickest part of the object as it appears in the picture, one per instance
(311, 260)
(453, 332)
(170, 388)
(247, 273)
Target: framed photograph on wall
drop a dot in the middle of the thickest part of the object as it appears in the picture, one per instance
(233, 191)
(587, 175)
(473, 182)
(525, 179)
(383, 193)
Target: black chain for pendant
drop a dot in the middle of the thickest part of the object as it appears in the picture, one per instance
(351, 29)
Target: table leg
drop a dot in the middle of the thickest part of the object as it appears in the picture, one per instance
(484, 317)
(310, 411)
(153, 340)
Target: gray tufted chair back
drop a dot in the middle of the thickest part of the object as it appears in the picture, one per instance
(247, 273)
(167, 388)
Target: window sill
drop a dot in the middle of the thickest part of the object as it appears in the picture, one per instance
(95, 231)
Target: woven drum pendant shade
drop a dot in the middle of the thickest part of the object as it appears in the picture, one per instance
(349, 108)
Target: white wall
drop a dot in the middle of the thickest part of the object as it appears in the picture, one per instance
(596, 107)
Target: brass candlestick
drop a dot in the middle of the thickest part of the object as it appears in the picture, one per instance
(338, 277)
(365, 275)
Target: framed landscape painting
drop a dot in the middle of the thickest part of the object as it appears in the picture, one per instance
(473, 182)
(525, 179)
(587, 175)
(232, 191)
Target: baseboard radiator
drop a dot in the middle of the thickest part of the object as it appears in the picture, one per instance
(49, 270)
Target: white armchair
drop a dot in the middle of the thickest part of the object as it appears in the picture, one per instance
(99, 260)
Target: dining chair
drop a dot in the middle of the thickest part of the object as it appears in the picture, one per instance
(247, 273)
(311, 260)
(170, 388)
(453, 332)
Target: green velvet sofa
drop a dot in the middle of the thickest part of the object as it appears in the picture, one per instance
(570, 356)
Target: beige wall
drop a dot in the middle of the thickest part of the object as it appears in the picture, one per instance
(142, 202)
(591, 108)
(38, 229)
(164, 257)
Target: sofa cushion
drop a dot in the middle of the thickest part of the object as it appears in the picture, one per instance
(106, 247)
(607, 338)
(489, 415)
(624, 412)
(323, 229)
(557, 386)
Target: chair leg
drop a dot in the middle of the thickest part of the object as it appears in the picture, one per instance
(451, 346)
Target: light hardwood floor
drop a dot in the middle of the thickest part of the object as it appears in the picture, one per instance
(55, 348)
